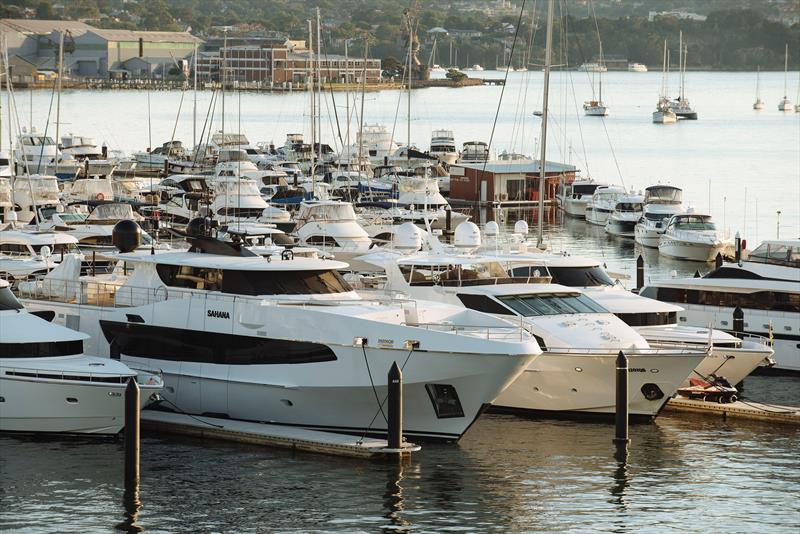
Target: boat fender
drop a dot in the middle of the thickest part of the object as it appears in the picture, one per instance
(99, 196)
(287, 255)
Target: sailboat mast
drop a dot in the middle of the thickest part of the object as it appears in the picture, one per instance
(224, 69)
(58, 97)
(194, 108)
(319, 91)
(785, 71)
(310, 81)
(408, 85)
(758, 82)
(680, 62)
(545, 104)
(664, 71)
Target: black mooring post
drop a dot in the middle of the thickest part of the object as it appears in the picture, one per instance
(738, 253)
(94, 263)
(395, 407)
(621, 434)
(639, 272)
(718, 260)
(738, 321)
(697, 274)
(448, 220)
(131, 433)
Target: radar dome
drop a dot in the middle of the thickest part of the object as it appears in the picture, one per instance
(467, 235)
(492, 228)
(126, 235)
(408, 237)
(521, 227)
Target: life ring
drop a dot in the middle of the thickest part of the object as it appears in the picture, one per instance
(99, 196)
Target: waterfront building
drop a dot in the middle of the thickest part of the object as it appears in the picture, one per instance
(502, 181)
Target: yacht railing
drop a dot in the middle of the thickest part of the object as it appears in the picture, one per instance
(660, 351)
(121, 295)
(50, 374)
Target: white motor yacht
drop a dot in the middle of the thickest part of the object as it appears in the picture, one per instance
(656, 321)
(37, 196)
(637, 67)
(765, 287)
(47, 383)
(580, 340)
(660, 203)
(6, 202)
(443, 146)
(475, 152)
(331, 226)
(88, 189)
(171, 152)
(6, 170)
(287, 341)
(692, 237)
(602, 203)
(39, 154)
(580, 193)
(627, 212)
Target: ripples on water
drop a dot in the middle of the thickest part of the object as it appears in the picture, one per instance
(507, 475)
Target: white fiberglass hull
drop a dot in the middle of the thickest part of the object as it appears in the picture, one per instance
(63, 406)
(597, 216)
(646, 237)
(620, 228)
(576, 207)
(584, 383)
(596, 111)
(689, 251)
(660, 117)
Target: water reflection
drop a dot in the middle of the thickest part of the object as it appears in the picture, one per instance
(393, 498)
(131, 504)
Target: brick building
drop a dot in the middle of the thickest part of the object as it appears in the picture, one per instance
(514, 182)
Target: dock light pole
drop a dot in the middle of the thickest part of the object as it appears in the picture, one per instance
(778, 229)
(621, 434)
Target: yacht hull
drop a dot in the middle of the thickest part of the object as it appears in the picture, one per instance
(620, 228)
(598, 216)
(584, 383)
(646, 237)
(42, 405)
(576, 207)
(689, 251)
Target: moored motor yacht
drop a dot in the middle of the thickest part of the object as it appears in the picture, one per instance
(627, 212)
(47, 383)
(286, 340)
(580, 193)
(660, 203)
(25, 252)
(692, 237)
(602, 203)
(443, 146)
(580, 340)
(764, 287)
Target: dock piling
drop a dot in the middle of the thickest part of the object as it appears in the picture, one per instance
(621, 435)
(132, 434)
(738, 321)
(395, 416)
(718, 261)
(639, 272)
(448, 220)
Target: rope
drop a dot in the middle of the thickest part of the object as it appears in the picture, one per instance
(190, 415)
(380, 404)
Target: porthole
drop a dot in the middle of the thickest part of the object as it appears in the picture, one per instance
(287, 402)
(579, 369)
(574, 390)
(72, 400)
(2, 399)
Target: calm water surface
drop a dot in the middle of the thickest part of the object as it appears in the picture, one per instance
(508, 474)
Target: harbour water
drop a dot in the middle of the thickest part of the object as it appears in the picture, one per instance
(508, 474)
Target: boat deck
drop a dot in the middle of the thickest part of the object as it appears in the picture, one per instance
(285, 437)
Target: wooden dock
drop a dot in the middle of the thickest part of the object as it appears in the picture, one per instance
(755, 411)
(285, 437)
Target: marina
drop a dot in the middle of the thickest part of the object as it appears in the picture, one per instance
(505, 304)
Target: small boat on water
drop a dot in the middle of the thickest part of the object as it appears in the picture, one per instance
(758, 105)
(576, 196)
(627, 212)
(602, 203)
(786, 103)
(664, 113)
(660, 203)
(637, 67)
(681, 106)
(443, 146)
(49, 385)
(692, 237)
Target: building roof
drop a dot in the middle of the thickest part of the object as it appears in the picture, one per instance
(152, 60)
(525, 167)
(147, 36)
(43, 26)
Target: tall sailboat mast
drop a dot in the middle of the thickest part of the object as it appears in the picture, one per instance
(310, 81)
(785, 71)
(545, 104)
(58, 97)
(319, 92)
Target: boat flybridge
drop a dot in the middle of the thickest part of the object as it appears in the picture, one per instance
(443, 146)
(661, 324)
(286, 340)
(660, 203)
(25, 252)
(49, 385)
(332, 226)
(579, 338)
(766, 287)
(37, 196)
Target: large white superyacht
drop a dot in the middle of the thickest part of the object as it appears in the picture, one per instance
(285, 339)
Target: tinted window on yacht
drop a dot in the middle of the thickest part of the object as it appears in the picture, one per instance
(536, 305)
(483, 303)
(240, 212)
(760, 300)
(584, 189)
(570, 276)
(44, 349)
(176, 344)
(253, 282)
(58, 248)
(648, 319)
(728, 272)
(8, 301)
(656, 216)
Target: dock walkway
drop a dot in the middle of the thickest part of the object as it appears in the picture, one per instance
(285, 437)
(756, 411)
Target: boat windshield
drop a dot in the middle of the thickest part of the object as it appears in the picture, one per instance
(584, 189)
(42, 349)
(777, 254)
(569, 276)
(7, 300)
(694, 223)
(37, 141)
(466, 274)
(663, 195)
(629, 206)
(656, 216)
(552, 304)
(310, 282)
